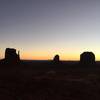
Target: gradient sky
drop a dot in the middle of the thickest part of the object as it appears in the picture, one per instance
(42, 28)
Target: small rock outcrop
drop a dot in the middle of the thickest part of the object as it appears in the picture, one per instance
(56, 59)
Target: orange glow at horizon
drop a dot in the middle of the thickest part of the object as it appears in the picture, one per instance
(47, 55)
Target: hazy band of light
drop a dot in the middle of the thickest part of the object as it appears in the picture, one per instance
(49, 55)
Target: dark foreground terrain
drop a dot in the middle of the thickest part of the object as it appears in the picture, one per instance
(49, 81)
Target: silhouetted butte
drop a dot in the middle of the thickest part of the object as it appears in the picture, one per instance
(11, 56)
(87, 58)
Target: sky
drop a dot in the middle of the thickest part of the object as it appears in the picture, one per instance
(42, 28)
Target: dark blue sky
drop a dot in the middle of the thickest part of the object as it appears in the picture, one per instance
(42, 28)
